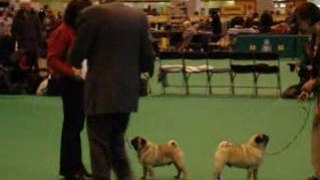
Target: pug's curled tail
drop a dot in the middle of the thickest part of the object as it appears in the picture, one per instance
(173, 143)
(224, 144)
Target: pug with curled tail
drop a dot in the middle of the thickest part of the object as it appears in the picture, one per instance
(153, 155)
(247, 156)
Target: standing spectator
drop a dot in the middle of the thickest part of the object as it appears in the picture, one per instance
(308, 17)
(6, 41)
(49, 22)
(6, 23)
(42, 12)
(116, 56)
(59, 17)
(59, 44)
(26, 30)
(6, 48)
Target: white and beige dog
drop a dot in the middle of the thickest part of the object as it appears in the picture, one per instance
(247, 156)
(152, 155)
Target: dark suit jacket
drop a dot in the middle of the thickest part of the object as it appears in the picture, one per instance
(115, 40)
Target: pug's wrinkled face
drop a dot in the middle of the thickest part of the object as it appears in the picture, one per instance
(138, 143)
(259, 140)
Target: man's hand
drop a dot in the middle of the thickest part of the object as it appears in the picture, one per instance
(304, 96)
(307, 89)
(309, 85)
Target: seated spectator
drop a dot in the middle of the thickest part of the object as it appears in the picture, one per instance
(251, 20)
(265, 22)
(189, 31)
(237, 21)
(216, 25)
(204, 24)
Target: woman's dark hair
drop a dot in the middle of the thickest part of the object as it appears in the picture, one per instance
(73, 10)
(308, 12)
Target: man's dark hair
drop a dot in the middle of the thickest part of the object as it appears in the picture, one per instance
(73, 10)
(308, 12)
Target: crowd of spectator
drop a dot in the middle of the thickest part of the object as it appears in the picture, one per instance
(23, 34)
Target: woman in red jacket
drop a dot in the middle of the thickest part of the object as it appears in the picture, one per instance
(59, 43)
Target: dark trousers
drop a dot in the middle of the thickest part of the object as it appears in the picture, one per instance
(32, 59)
(73, 122)
(107, 146)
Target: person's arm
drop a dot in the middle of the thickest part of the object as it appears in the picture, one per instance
(15, 28)
(147, 53)
(58, 45)
(84, 39)
(304, 59)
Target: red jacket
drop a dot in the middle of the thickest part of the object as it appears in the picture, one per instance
(59, 44)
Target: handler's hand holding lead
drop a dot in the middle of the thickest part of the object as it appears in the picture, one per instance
(306, 89)
(304, 96)
(308, 86)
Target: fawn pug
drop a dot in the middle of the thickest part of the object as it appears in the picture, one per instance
(153, 155)
(248, 156)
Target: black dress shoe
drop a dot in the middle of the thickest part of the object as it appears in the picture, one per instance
(74, 177)
(84, 173)
(80, 174)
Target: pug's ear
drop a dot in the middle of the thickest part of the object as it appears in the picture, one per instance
(143, 142)
(258, 139)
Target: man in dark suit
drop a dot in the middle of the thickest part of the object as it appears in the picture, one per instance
(114, 39)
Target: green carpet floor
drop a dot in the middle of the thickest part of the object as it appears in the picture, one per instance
(31, 126)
